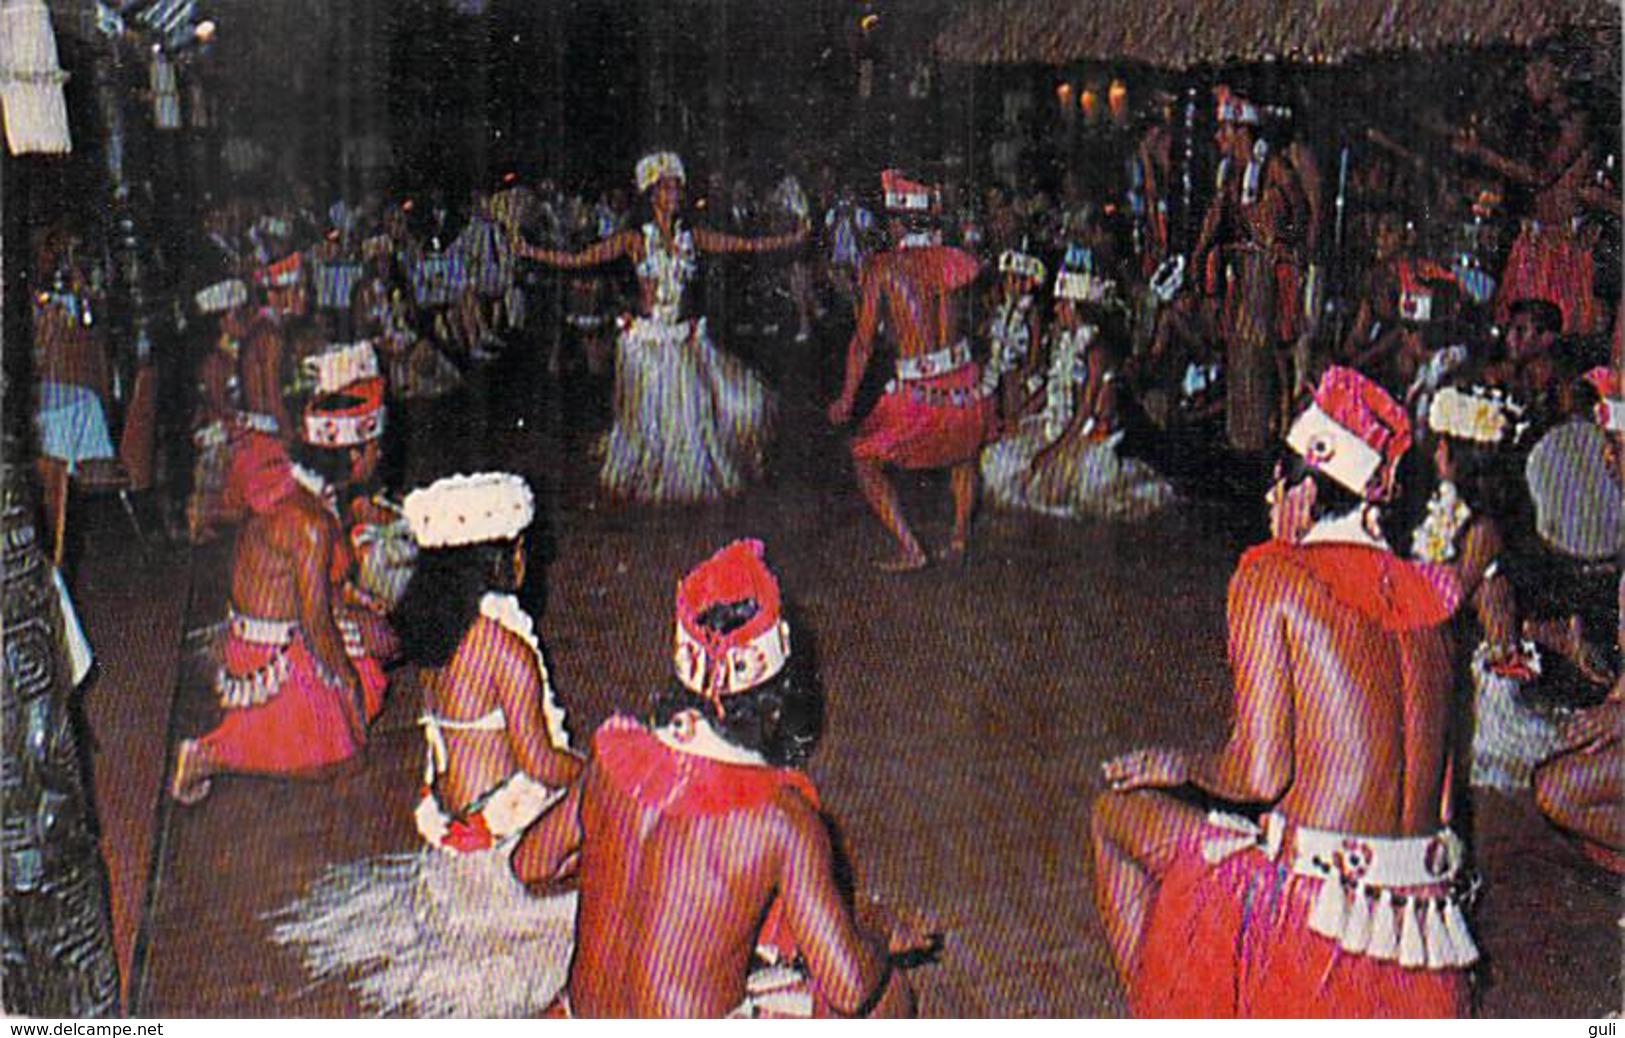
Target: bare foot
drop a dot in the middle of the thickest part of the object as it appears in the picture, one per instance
(907, 562)
(953, 553)
(189, 786)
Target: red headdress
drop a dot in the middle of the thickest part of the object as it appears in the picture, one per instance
(355, 423)
(1354, 432)
(907, 196)
(716, 665)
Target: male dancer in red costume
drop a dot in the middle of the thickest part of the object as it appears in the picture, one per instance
(1334, 887)
(697, 844)
(934, 413)
(297, 684)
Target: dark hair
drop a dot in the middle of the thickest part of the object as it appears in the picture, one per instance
(330, 463)
(1545, 314)
(1486, 476)
(782, 718)
(443, 597)
(1396, 517)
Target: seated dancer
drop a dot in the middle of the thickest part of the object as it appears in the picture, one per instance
(1065, 459)
(1013, 334)
(691, 422)
(297, 684)
(1569, 568)
(242, 399)
(449, 931)
(1580, 788)
(1326, 881)
(935, 412)
(697, 843)
(1475, 432)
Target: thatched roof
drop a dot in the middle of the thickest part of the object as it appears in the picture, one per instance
(1182, 33)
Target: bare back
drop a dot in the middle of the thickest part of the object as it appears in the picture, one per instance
(673, 903)
(666, 925)
(492, 669)
(1369, 704)
(264, 581)
(906, 291)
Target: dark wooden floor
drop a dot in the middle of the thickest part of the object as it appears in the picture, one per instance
(969, 711)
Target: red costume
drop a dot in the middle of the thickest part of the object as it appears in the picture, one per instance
(1242, 931)
(934, 413)
(283, 711)
(1237, 939)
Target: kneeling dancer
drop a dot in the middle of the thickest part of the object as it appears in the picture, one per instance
(1326, 882)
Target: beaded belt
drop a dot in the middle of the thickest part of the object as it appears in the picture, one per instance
(1370, 899)
(913, 369)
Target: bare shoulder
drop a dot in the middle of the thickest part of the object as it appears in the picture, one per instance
(1268, 572)
(491, 640)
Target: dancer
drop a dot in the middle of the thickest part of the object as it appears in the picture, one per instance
(1549, 258)
(1251, 236)
(1341, 898)
(1066, 459)
(1476, 431)
(1014, 334)
(697, 843)
(448, 931)
(297, 684)
(935, 412)
(691, 422)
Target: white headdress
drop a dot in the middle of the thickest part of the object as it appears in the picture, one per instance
(342, 364)
(1083, 287)
(1023, 264)
(222, 296)
(1479, 415)
(461, 510)
(659, 164)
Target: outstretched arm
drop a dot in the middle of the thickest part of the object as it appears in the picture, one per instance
(615, 246)
(1570, 144)
(1255, 764)
(708, 240)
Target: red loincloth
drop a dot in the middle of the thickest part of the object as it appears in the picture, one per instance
(1232, 940)
(305, 725)
(930, 423)
(1547, 263)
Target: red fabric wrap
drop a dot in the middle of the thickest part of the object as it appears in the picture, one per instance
(916, 427)
(684, 785)
(1232, 940)
(1394, 593)
(1548, 263)
(260, 474)
(306, 725)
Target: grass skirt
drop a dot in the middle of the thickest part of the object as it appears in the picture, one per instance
(433, 934)
(691, 422)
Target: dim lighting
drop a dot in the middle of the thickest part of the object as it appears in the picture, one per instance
(1089, 101)
(868, 22)
(1117, 99)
